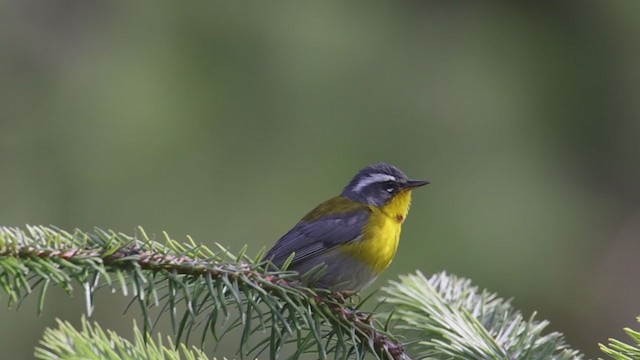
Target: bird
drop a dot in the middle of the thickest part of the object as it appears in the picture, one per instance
(348, 240)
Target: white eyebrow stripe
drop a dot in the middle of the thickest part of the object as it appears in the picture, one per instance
(373, 178)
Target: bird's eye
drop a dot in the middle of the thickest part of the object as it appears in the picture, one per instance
(390, 187)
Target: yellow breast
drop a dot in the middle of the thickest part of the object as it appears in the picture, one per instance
(380, 238)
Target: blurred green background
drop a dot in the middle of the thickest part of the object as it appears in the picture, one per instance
(229, 121)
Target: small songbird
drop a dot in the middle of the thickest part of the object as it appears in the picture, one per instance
(353, 237)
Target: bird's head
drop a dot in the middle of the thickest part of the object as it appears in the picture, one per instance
(378, 184)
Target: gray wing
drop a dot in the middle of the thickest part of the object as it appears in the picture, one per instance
(309, 239)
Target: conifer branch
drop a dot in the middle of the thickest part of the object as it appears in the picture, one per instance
(619, 350)
(212, 293)
(93, 343)
(209, 285)
(445, 317)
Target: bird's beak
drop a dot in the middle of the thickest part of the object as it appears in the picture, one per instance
(412, 184)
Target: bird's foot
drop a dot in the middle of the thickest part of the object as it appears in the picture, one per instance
(343, 295)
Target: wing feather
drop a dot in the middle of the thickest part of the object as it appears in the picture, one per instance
(310, 238)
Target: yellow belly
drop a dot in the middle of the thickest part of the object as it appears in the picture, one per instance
(381, 236)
